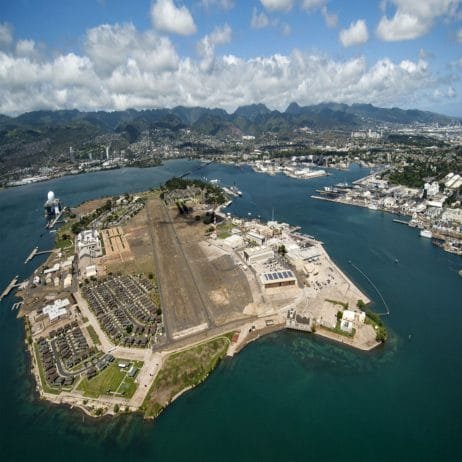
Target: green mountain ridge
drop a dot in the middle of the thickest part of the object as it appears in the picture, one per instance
(45, 132)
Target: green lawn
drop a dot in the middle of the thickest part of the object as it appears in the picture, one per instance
(224, 230)
(181, 370)
(338, 330)
(93, 335)
(105, 383)
(111, 380)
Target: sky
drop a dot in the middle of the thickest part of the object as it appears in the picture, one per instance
(120, 54)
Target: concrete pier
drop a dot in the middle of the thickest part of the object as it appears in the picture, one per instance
(31, 256)
(9, 287)
(36, 252)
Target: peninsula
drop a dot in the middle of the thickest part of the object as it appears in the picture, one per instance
(144, 294)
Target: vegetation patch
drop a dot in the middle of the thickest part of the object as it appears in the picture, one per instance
(337, 302)
(338, 330)
(224, 230)
(111, 381)
(93, 335)
(183, 370)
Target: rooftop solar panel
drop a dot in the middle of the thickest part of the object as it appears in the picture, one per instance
(280, 276)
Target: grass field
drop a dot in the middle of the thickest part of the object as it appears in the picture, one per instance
(93, 335)
(110, 381)
(182, 370)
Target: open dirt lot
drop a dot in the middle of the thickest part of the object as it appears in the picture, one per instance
(196, 292)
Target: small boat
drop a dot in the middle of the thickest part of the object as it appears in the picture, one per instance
(396, 260)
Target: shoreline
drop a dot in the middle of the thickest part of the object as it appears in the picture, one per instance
(252, 328)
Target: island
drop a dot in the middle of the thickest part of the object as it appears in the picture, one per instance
(145, 293)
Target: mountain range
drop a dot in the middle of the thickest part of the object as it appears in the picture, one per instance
(55, 131)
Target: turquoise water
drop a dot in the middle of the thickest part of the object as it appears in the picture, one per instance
(289, 396)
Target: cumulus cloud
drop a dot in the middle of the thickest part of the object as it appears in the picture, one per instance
(112, 46)
(414, 18)
(356, 34)
(313, 4)
(6, 35)
(223, 4)
(25, 48)
(167, 17)
(207, 44)
(122, 68)
(277, 5)
(259, 20)
(331, 19)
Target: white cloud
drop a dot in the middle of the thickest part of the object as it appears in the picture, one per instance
(207, 44)
(313, 4)
(219, 36)
(356, 34)
(259, 20)
(25, 48)
(414, 18)
(459, 36)
(6, 35)
(277, 5)
(446, 93)
(125, 68)
(331, 19)
(167, 17)
(111, 46)
(223, 4)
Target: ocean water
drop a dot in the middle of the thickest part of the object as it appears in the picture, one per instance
(289, 396)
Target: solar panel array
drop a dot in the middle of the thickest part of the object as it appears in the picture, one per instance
(278, 275)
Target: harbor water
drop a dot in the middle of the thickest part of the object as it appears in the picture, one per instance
(289, 396)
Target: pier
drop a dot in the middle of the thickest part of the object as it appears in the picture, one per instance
(402, 222)
(10, 287)
(36, 252)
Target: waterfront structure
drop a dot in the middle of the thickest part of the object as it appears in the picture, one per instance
(52, 206)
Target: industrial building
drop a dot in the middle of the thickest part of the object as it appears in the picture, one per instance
(257, 254)
(278, 279)
(89, 241)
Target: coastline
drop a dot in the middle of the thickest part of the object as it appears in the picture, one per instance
(250, 330)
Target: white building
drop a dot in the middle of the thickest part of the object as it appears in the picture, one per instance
(89, 239)
(256, 237)
(432, 188)
(257, 254)
(56, 309)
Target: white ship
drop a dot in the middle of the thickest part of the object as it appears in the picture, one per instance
(426, 233)
(235, 190)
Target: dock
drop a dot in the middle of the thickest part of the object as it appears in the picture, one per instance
(52, 223)
(36, 252)
(10, 287)
(402, 222)
(31, 255)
